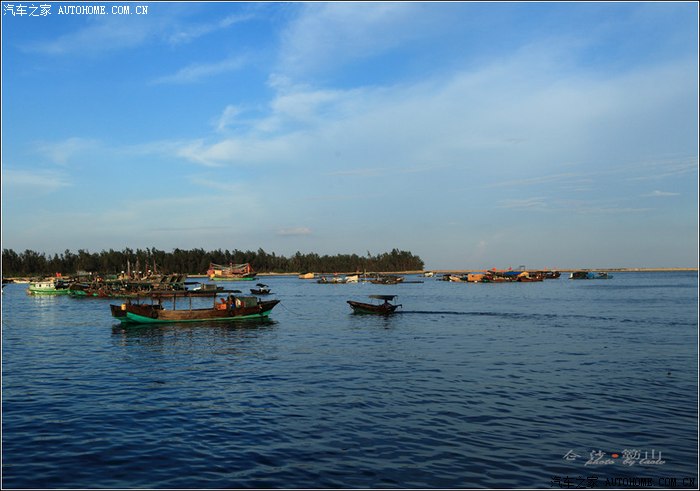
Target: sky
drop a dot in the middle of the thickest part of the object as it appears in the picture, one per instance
(474, 135)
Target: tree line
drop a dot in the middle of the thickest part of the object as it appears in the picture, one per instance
(196, 261)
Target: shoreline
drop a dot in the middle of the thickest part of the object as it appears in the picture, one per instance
(464, 271)
(27, 279)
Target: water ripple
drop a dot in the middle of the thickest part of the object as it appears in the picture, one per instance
(471, 386)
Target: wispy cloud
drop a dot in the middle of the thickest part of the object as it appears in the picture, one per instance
(568, 177)
(227, 117)
(187, 33)
(326, 35)
(218, 184)
(294, 231)
(62, 152)
(108, 33)
(36, 181)
(360, 172)
(196, 72)
(537, 204)
(665, 168)
(658, 194)
(193, 229)
(602, 210)
(465, 122)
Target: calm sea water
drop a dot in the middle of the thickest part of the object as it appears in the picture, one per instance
(472, 385)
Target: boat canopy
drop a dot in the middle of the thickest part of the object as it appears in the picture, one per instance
(383, 297)
(179, 293)
(231, 269)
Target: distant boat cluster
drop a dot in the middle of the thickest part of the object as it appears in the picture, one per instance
(145, 295)
(231, 304)
(101, 286)
(377, 279)
(501, 276)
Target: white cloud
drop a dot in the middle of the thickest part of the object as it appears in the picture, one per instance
(108, 33)
(612, 210)
(538, 203)
(63, 151)
(219, 184)
(654, 170)
(294, 231)
(196, 72)
(36, 181)
(656, 194)
(188, 33)
(227, 117)
(112, 32)
(327, 35)
(466, 121)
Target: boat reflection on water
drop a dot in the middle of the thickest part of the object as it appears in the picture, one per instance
(196, 335)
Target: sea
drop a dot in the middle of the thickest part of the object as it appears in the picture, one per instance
(557, 384)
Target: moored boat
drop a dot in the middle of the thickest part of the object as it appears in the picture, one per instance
(590, 275)
(387, 280)
(306, 276)
(206, 289)
(477, 277)
(529, 277)
(551, 275)
(227, 308)
(99, 287)
(49, 286)
(383, 308)
(334, 280)
(232, 272)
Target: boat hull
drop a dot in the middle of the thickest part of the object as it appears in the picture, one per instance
(369, 308)
(47, 288)
(590, 275)
(47, 291)
(233, 278)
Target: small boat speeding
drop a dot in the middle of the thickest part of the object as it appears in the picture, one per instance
(260, 290)
(383, 308)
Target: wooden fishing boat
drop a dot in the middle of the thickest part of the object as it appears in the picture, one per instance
(334, 280)
(383, 308)
(477, 277)
(206, 289)
(590, 275)
(49, 286)
(127, 288)
(529, 277)
(226, 308)
(387, 280)
(306, 276)
(232, 272)
(260, 290)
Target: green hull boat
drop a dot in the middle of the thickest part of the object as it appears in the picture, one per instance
(48, 287)
(226, 309)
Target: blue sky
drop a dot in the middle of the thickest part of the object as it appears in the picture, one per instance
(475, 135)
